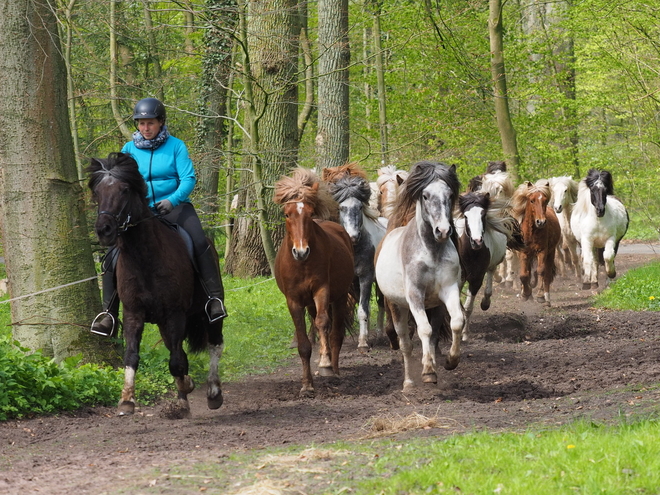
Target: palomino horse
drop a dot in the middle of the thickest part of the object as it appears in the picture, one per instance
(418, 268)
(156, 280)
(387, 185)
(483, 235)
(314, 270)
(563, 194)
(361, 223)
(541, 234)
(599, 222)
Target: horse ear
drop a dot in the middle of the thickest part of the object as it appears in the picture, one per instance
(487, 195)
(453, 167)
(315, 186)
(528, 183)
(399, 179)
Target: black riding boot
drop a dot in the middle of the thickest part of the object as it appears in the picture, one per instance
(107, 321)
(209, 273)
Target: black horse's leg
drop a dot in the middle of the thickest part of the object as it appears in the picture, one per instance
(133, 327)
(173, 333)
(216, 346)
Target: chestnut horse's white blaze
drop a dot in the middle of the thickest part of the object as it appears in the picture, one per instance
(418, 267)
(599, 222)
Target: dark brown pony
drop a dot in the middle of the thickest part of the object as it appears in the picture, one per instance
(541, 233)
(156, 280)
(314, 270)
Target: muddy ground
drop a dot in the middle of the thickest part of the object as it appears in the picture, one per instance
(524, 366)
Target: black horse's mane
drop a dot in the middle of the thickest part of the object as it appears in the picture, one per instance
(120, 166)
(469, 199)
(603, 175)
(351, 186)
(421, 175)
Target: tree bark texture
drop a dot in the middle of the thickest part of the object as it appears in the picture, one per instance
(45, 233)
(332, 138)
(504, 122)
(273, 42)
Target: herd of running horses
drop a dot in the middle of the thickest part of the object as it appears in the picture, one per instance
(412, 235)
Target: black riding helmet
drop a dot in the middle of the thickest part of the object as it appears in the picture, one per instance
(149, 108)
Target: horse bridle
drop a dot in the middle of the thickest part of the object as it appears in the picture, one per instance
(121, 226)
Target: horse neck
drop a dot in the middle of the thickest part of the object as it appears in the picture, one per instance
(140, 239)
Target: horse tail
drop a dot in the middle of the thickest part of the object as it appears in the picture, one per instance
(517, 241)
(440, 323)
(197, 327)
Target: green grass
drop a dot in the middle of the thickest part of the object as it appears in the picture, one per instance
(583, 458)
(637, 290)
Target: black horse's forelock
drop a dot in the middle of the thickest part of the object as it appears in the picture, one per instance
(603, 175)
(471, 199)
(426, 172)
(351, 186)
(120, 166)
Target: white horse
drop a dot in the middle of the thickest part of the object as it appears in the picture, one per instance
(418, 267)
(563, 193)
(599, 222)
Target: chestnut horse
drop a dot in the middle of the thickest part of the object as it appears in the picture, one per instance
(156, 280)
(541, 234)
(314, 270)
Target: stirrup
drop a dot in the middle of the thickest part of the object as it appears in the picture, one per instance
(101, 315)
(223, 313)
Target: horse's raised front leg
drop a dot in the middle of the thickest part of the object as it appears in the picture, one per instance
(133, 328)
(608, 255)
(451, 296)
(488, 291)
(173, 334)
(469, 306)
(304, 347)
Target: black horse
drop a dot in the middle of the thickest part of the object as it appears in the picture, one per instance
(156, 280)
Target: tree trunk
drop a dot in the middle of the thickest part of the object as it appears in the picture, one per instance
(212, 128)
(308, 69)
(504, 123)
(45, 231)
(271, 85)
(152, 50)
(380, 77)
(121, 125)
(332, 138)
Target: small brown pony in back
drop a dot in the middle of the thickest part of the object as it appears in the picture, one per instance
(314, 270)
(541, 233)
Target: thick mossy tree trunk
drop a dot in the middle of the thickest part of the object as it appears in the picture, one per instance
(271, 65)
(45, 233)
(332, 137)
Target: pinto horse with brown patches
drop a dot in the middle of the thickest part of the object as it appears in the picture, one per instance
(541, 233)
(314, 270)
(156, 281)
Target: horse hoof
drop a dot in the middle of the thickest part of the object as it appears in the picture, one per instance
(125, 408)
(307, 392)
(594, 285)
(540, 299)
(326, 371)
(429, 378)
(363, 347)
(485, 305)
(450, 364)
(586, 286)
(215, 402)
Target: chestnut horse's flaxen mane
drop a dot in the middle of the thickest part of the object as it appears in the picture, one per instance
(332, 174)
(304, 185)
(523, 192)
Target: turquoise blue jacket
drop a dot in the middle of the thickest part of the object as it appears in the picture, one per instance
(168, 171)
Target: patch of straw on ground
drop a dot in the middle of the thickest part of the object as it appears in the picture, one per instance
(378, 426)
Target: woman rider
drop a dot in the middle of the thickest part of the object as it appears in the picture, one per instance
(164, 163)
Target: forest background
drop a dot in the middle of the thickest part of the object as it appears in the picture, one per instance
(257, 87)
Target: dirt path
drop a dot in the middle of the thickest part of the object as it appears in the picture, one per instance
(524, 366)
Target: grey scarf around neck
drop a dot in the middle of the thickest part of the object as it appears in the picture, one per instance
(150, 144)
